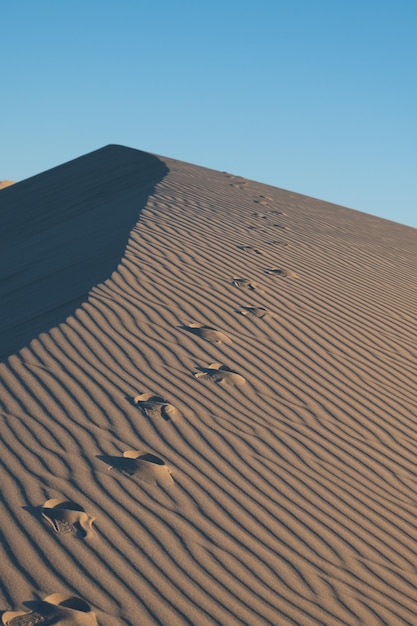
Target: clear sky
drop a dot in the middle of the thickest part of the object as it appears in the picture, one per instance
(315, 96)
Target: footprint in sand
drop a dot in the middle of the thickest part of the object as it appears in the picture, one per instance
(250, 249)
(282, 272)
(255, 311)
(237, 182)
(155, 407)
(67, 518)
(145, 466)
(262, 200)
(260, 216)
(260, 230)
(206, 332)
(220, 374)
(57, 608)
(245, 283)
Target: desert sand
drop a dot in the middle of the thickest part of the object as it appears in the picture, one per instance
(5, 183)
(208, 402)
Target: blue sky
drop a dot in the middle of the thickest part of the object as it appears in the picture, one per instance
(316, 96)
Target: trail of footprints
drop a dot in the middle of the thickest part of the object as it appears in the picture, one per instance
(69, 519)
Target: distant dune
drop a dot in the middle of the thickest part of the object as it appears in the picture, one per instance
(208, 409)
(6, 183)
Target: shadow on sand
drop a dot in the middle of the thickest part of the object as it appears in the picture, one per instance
(64, 231)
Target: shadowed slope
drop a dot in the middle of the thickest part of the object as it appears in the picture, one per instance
(64, 231)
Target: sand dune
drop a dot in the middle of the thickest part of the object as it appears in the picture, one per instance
(208, 402)
(6, 183)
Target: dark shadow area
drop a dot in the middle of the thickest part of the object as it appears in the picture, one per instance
(35, 511)
(123, 464)
(196, 330)
(129, 465)
(64, 231)
(51, 610)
